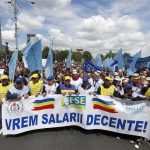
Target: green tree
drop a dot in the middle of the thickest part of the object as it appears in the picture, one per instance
(87, 55)
(45, 52)
(20, 54)
(110, 54)
(2, 55)
(126, 55)
(102, 57)
(77, 56)
(62, 55)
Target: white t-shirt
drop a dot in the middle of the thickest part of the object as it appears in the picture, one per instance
(96, 84)
(22, 92)
(76, 83)
(86, 92)
(51, 89)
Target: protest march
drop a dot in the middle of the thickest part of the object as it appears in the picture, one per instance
(68, 85)
(90, 95)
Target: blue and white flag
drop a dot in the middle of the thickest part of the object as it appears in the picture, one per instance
(132, 68)
(12, 65)
(107, 63)
(33, 55)
(97, 61)
(119, 59)
(68, 61)
(88, 67)
(49, 65)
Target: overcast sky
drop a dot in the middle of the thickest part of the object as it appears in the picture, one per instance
(95, 25)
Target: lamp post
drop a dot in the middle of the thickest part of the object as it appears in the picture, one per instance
(16, 9)
(6, 50)
(52, 42)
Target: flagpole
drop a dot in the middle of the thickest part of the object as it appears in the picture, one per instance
(16, 9)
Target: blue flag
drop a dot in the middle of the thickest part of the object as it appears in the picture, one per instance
(97, 61)
(33, 55)
(68, 61)
(107, 63)
(132, 68)
(88, 67)
(119, 59)
(49, 65)
(12, 65)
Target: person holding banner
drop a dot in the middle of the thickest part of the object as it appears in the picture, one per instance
(146, 90)
(132, 95)
(135, 79)
(50, 87)
(4, 86)
(36, 84)
(66, 88)
(96, 81)
(86, 87)
(76, 80)
(18, 90)
(107, 89)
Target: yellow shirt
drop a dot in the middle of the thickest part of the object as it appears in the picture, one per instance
(4, 90)
(147, 94)
(36, 88)
(107, 91)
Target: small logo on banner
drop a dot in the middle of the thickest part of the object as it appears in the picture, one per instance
(15, 107)
(108, 106)
(43, 104)
(74, 102)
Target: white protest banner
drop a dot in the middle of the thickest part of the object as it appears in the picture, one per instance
(86, 111)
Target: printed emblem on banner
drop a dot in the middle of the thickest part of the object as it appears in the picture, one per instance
(74, 102)
(15, 107)
(47, 103)
(107, 106)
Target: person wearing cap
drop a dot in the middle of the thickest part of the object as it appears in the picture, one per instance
(18, 90)
(75, 79)
(36, 84)
(50, 87)
(66, 88)
(117, 85)
(146, 90)
(131, 95)
(4, 86)
(107, 89)
(85, 88)
(135, 80)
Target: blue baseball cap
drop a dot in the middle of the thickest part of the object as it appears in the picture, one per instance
(129, 86)
(50, 78)
(85, 80)
(19, 80)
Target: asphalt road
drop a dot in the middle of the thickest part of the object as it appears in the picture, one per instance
(66, 139)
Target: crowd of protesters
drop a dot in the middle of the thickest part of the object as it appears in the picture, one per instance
(75, 80)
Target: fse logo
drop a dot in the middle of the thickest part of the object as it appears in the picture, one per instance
(74, 102)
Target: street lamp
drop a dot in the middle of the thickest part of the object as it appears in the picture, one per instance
(6, 50)
(52, 42)
(16, 9)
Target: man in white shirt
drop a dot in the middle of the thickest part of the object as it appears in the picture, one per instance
(96, 81)
(18, 90)
(85, 88)
(50, 87)
(76, 80)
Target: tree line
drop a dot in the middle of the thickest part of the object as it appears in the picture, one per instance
(62, 55)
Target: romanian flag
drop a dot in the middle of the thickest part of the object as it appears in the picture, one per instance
(107, 106)
(47, 103)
